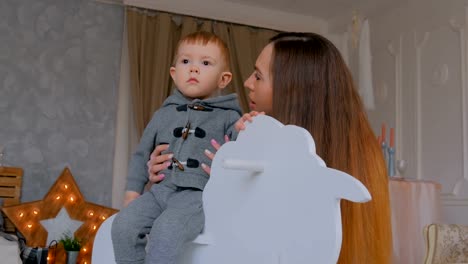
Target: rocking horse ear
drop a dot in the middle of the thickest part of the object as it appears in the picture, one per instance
(349, 188)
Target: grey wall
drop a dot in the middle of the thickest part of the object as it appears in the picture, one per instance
(59, 67)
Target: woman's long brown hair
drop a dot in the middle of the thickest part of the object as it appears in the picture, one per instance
(309, 71)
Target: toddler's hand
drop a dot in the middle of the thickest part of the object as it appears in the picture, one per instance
(130, 196)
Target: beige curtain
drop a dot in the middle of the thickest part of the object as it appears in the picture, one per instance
(152, 37)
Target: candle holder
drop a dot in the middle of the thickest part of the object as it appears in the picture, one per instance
(391, 162)
(385, 152)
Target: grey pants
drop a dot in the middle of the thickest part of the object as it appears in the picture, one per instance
(172, 216)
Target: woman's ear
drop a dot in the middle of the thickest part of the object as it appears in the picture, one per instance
(225, 79)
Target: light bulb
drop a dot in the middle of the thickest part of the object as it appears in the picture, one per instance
(90, 213)
(58, 197)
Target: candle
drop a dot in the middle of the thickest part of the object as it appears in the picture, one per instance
(383, 132)
(392, 137)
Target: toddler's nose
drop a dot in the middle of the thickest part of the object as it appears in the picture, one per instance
(194, 69)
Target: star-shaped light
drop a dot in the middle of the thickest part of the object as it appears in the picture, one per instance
(64, 194)
(60, 226)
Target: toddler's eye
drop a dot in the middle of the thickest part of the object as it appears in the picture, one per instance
(257, 77)
(206, 63)
(184, 61)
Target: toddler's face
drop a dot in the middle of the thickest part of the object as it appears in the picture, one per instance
(199, 70)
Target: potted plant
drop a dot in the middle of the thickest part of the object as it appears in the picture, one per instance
(72, 246)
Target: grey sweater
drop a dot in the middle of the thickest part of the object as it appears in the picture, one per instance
(188, 126)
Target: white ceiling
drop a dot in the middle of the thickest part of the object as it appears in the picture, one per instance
(286, 15)
(324, 9)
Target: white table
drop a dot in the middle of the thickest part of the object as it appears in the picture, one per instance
(414, 204)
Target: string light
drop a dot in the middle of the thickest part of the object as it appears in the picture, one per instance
(90, 213)
(35, 211)
(66, 186)
(58, 197)
(103, 217)
(29, 226)
(72, 199)
(21, 214)
(94, 227)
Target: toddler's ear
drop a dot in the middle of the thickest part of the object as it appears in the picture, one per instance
(172, 72)
(225, 79)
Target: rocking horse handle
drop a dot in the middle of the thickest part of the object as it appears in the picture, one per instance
(234, 164)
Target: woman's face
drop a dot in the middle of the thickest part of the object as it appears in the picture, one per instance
(260, 83)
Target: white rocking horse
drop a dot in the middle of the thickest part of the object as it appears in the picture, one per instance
(270, 200)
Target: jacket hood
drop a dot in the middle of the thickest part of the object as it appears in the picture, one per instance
(225, 101)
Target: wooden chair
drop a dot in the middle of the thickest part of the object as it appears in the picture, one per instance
(10, 190)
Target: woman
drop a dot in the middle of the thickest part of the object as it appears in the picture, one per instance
(301, 79)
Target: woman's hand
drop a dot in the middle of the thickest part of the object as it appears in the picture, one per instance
(158, 162)
(240, 124)
(211, 155)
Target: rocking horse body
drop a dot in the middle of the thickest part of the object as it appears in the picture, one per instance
(270, 199)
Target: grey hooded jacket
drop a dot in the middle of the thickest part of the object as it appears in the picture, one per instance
(188, 126)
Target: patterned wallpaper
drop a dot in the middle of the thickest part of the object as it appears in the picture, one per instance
(59, 73)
